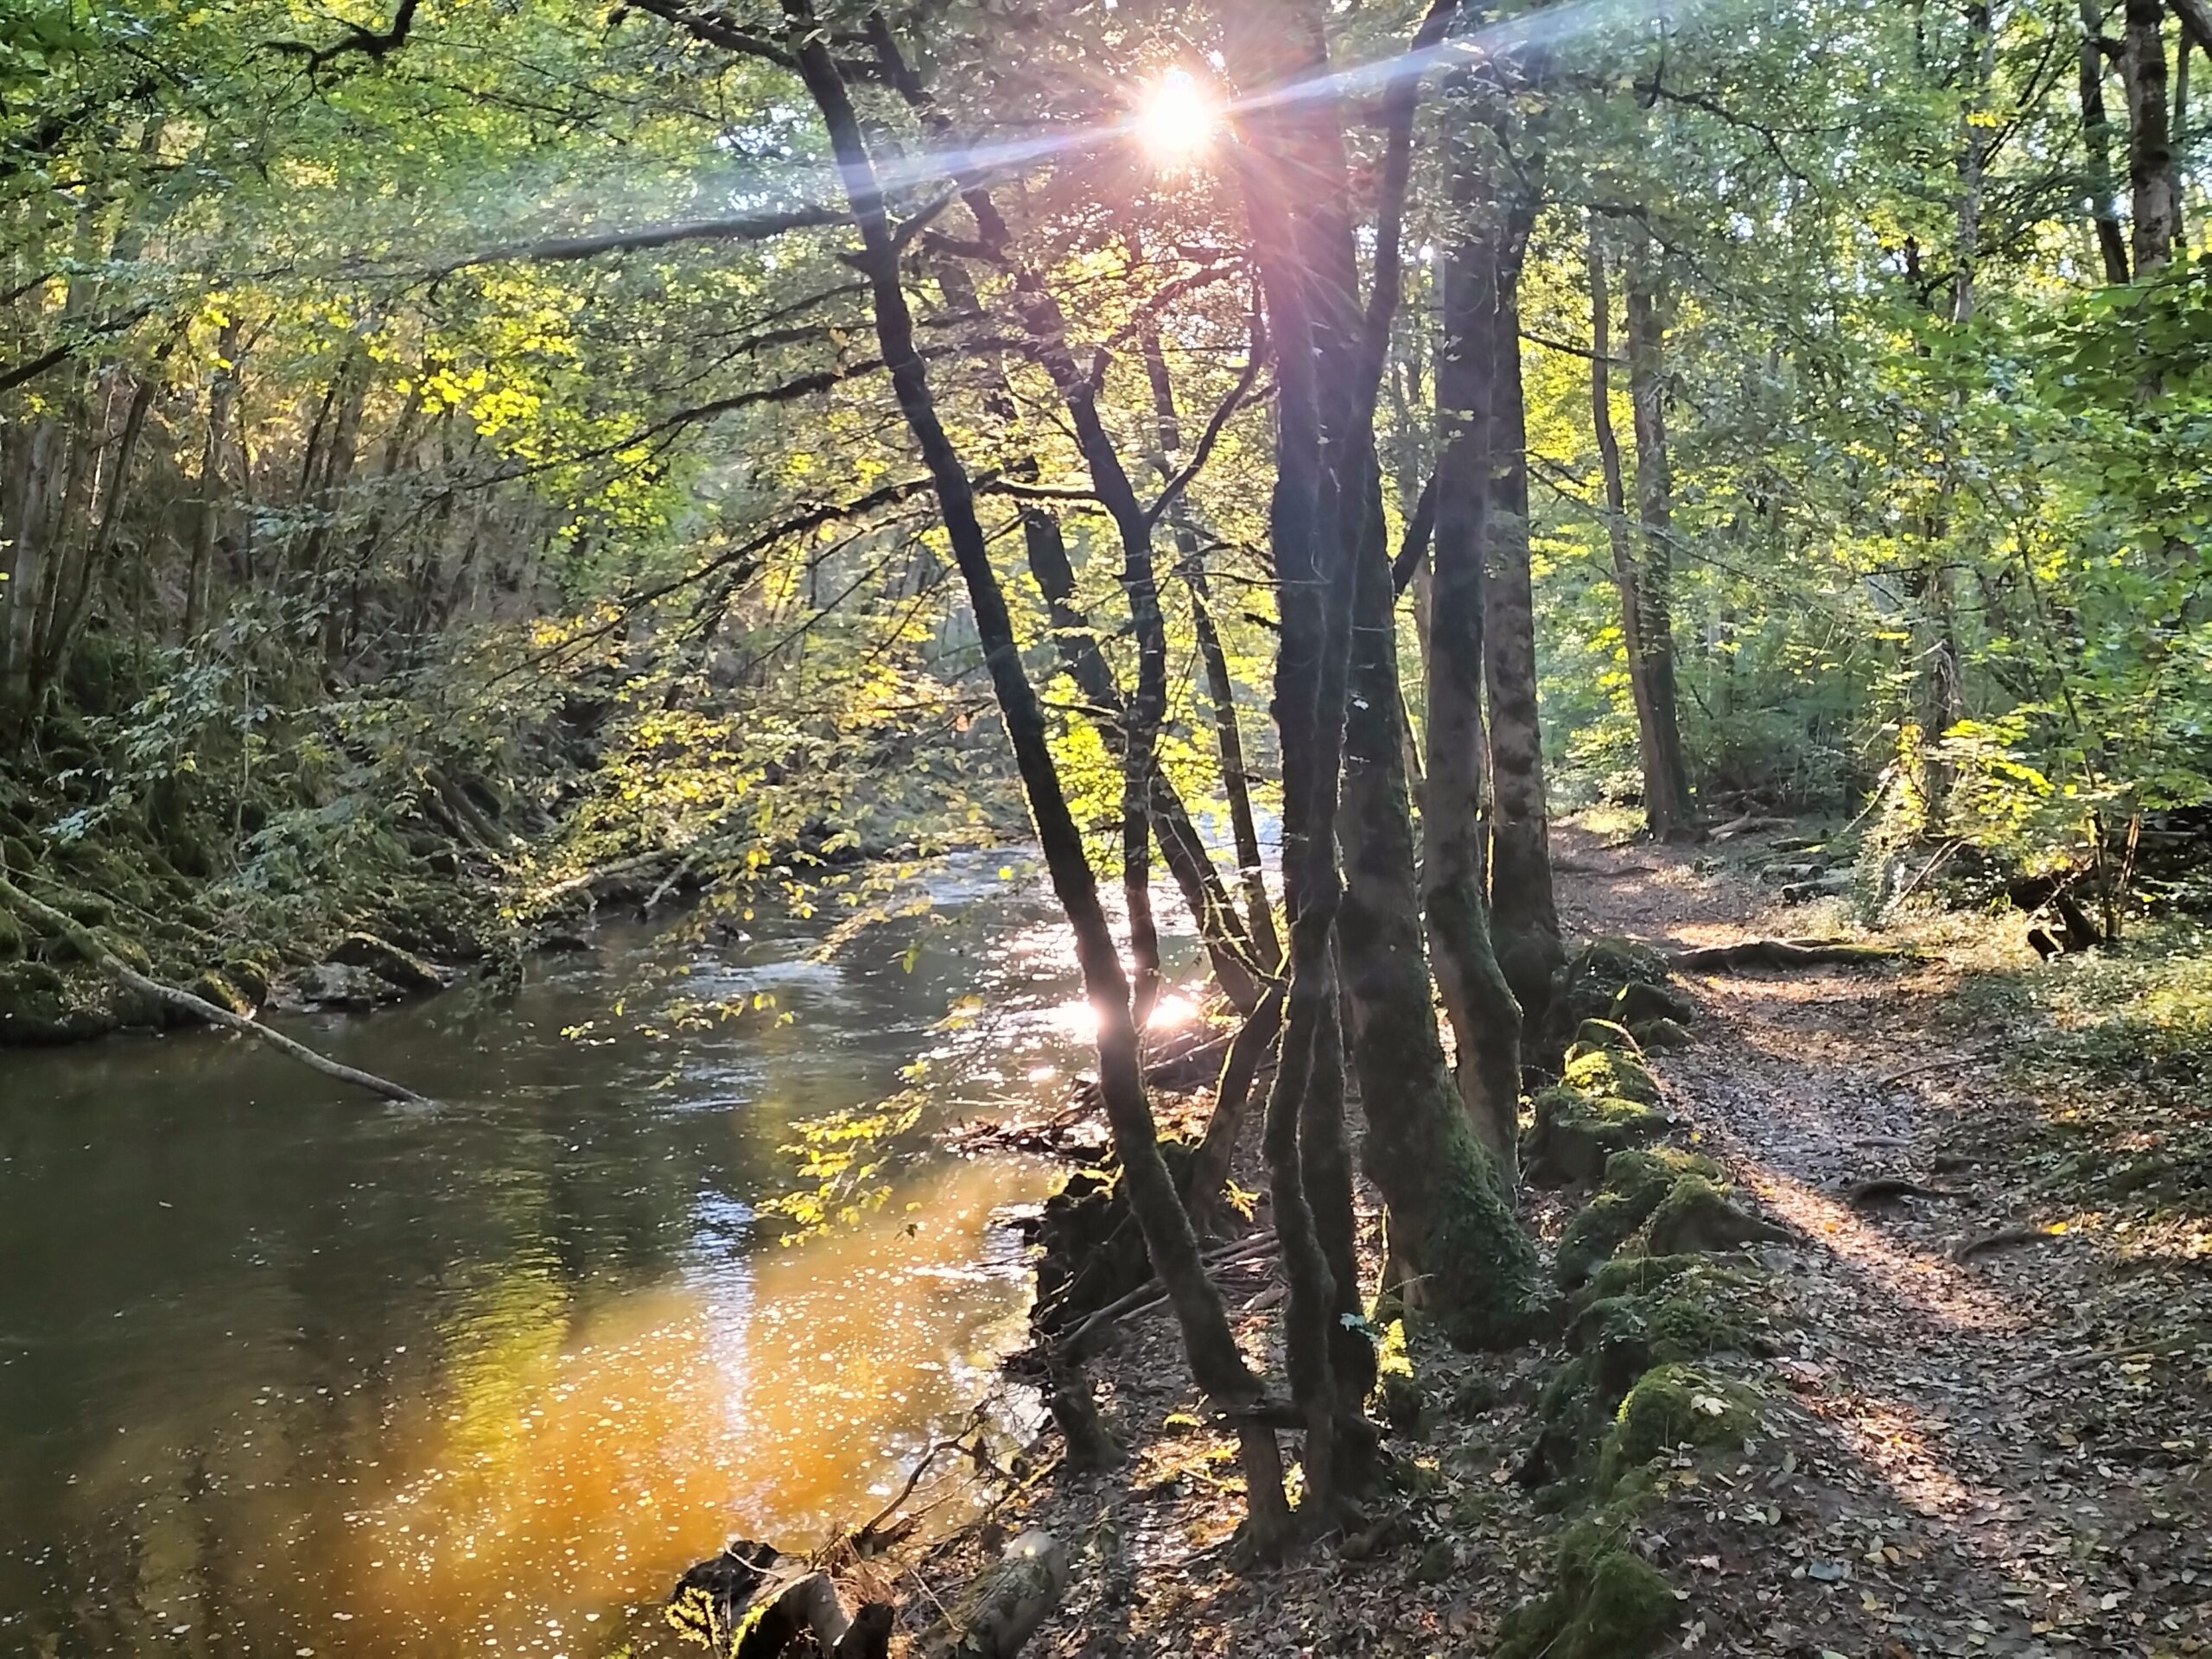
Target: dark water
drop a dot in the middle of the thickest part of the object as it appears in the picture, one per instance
(285, 1371)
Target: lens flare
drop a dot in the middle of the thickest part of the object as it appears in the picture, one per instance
(1176, 118)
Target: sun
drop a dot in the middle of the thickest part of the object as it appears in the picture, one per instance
(1176, 118)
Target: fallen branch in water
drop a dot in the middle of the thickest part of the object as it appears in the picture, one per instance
(87, 945)
(1780, 953)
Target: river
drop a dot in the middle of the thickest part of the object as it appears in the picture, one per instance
(288, 1372)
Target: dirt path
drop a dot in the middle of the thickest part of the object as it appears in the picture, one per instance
(1993, 1481)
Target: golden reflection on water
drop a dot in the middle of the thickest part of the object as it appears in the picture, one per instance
(569, 1463)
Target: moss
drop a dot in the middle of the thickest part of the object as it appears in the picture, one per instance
(1670, 1406)
(1636, 1184)
(252, 975)
(1660, 1034)
(13, 938)
(1605, 1602)
(212, 987)
(1633, 1273)
(1640, 1001)
(1696, 1215)
(1594, 1034)
(1603, 1071)
(1575, 1133)
(38, 1004)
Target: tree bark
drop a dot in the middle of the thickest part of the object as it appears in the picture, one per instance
(2150, 139)
(1485, 1018)
(2096, 145)
(1626, 575)
(1646, 287)
(1524, 909)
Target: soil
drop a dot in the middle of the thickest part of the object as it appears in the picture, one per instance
(2009, 1454)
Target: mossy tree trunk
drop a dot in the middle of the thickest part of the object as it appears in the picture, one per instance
(1523, 914)
(1485, 1018)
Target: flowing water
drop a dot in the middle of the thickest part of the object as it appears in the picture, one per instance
(284, 1371)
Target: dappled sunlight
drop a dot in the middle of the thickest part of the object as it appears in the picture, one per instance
(1931, 1285)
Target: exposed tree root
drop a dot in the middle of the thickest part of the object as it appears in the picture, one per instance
(1967, 1248)
(1880, 1189)
(1780, 953)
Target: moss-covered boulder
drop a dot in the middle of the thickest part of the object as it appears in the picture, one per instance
(1605, 1602)
(1654, 1035)
(1573, 1133)
(1696, 1215)
(1635, 1184)
(1671, 1405)
(1592, 1034)
(216, 988)
(1607, 1071)
(401, 969)
(39, 1004)
(1643, 999)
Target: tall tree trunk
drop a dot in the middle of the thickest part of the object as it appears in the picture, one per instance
(1450, 1224)
(1626, 578)
(2150, 141)
(1485, 1018)
(1221, 687)
(207, 504)
(2096, 144)
(1168, 1236)
(1523, 910)
(1645, 288)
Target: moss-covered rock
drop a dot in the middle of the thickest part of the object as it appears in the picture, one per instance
(1605, 1602)
(401, 969)
(1656, 1034)
(1575, 1133)
(1592, 1034)
(1671, 1405)
(1635, 1184)
(1696, 1215)
(1640, 1001)
(39, 1004)
(13, 938)
(1605, 1071)
(212, 986)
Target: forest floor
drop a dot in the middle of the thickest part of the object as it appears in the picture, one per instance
(2006, 1450)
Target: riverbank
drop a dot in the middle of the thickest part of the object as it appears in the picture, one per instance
(384, 898)
(1953, 1406)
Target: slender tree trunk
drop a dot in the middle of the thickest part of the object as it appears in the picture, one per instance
(1221, 687)
(1485, 1018)
(1650, 743)
(2150, 143)
(1669, 813)
(1172, 1245)
(1182, 848)
(2180, 140)
(207, 504)
(2096, 144)
(1452, 1227)
(1523, 910)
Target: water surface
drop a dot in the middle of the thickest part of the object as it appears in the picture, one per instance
(284, 1371)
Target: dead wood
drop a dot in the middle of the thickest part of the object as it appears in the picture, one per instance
(88, 945)
(1780, 953)
(1603, 872)
(1749, 823)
